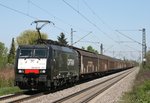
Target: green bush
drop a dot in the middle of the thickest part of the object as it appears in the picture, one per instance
(142, 93)
(141, 89)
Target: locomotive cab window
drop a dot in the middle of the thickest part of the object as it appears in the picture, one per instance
(40, 53)
(25, 53)
(33, 53)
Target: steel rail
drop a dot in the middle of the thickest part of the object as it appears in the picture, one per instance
(20, 97)
(10, 96)
(89, 88)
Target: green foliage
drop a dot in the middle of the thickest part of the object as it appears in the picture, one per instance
(9, 90)
(91, 49)
(140, 94)
(62, 39)
(3, 55)
(11, 55)
(83, 48)
(141, 89)
(7, 81)
(29, 37)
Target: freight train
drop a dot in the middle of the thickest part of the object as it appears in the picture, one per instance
(50, 65)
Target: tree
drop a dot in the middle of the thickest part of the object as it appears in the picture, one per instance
(11, 55)
(83, 48)
(62, 39)
(29, 37)
(90, 48)
(3, 55)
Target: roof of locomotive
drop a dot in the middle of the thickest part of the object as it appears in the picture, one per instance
(54, 47)
(63, 48)
(32, 46)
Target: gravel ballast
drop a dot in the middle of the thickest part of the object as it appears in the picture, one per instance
(112, 95)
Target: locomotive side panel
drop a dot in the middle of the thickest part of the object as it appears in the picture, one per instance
(65, 63)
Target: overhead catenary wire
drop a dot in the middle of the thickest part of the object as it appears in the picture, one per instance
(99, 18)
(124, 51)
(82, 38)
(84, 17)
(94, 13)
(61, 29)
(34, 4)
(55, 17)
(28, 7)
(90, 42)
(32, 17)
(52, 16)
(131, 47)
(28, 15)
(129, 37)
(18, 11)
(23, 13)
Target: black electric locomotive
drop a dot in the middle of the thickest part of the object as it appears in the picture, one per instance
(39, 66)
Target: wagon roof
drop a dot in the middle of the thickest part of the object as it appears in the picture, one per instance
(91, 54)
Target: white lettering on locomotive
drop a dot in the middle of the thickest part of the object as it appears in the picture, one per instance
(70, 62)
(32, 63)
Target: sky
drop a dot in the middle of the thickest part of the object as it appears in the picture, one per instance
(94, 22)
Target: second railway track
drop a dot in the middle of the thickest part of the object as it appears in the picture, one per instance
(89, 93)
(20, 97)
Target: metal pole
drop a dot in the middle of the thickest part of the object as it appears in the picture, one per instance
(143, 46)
(72, 36)
(101, 49)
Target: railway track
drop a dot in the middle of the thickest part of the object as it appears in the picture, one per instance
(10, 96)
(89, 93)
(82, 96)
(20, 97)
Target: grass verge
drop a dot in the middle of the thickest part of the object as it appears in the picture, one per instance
(141, 89)
(7, 82)
(9, 90)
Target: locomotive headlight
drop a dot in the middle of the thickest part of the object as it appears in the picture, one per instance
(20, 71)
(42, 71)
